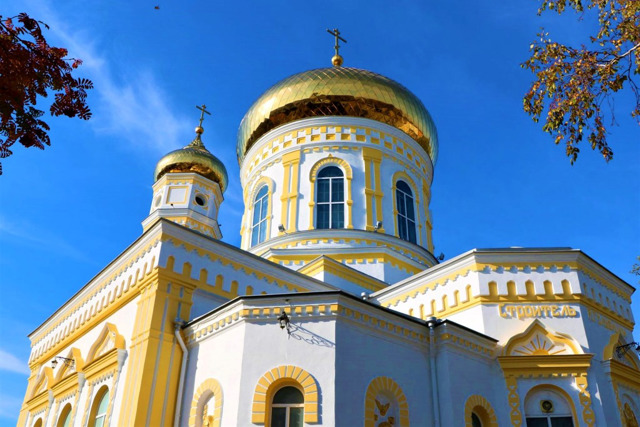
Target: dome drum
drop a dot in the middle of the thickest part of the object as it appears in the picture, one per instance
(283, 195)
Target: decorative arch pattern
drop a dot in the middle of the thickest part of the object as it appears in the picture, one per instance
(348, 174)
(281, 376)
(66, 369)
(482, 408)
(44, 382)
(538, 340)
(208, 388)
(402, 175)
(385, 385)
(108, 339)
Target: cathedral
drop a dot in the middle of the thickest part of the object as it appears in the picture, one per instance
(334, 310)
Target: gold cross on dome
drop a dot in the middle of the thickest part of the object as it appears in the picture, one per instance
(203, 110)
(336, 34)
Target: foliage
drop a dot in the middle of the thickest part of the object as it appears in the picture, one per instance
(636, 268)
(30, 68)
(573, 84)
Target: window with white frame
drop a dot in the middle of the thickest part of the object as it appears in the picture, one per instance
(259, 223)
(330, 198)
(406, 212)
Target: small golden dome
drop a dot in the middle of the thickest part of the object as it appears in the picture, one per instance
(337, 60)
(338, 91)
(194, 158)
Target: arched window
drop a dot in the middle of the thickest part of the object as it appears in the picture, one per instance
(259, 224)
(330, 198)
(98, 414)
(287, 408)
(406, 212)
(38, 423)
(64, 420)
(547, 408)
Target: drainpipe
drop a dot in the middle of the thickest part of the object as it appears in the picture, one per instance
(183, 367)
(431, 323)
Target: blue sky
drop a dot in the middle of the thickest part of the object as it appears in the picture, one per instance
(67, 211)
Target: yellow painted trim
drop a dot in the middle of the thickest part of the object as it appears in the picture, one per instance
(373, 189)
(615, 340)
(108, 335)
(525, 338)
(207, 389)
(313, 174)
(368, 257)
(194, 224)
(556, 365)
(388, 386)
(585, 400)
(108, 307)
(259, 274)
(307, 241)
(482, 408)
(574, 365)
(361, 136)
(513, 400)
(326, 264)
(277, 378)
(290, 190)
(65, 369)
(43, 383)
(154, 356)
(621, 373)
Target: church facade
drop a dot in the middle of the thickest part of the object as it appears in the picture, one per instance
(334, 311)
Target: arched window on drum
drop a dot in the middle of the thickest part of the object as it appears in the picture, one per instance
(405, 206)
(330, 198)
(260, 211)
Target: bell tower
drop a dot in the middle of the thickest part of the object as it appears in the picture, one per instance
(189, 183)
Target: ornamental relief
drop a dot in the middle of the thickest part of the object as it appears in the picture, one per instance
(538, 340)
(385, 412)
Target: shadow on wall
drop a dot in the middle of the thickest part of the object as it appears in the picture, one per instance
(301, 334)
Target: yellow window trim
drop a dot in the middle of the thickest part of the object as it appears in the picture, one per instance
(482, 408)
(208, 388)
(348, 173)
(277, 378)
(388, 385)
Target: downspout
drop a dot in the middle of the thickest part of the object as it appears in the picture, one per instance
(431, 323)
(183, 367)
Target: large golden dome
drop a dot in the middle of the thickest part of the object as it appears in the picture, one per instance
(338, 91)
(194, 158)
